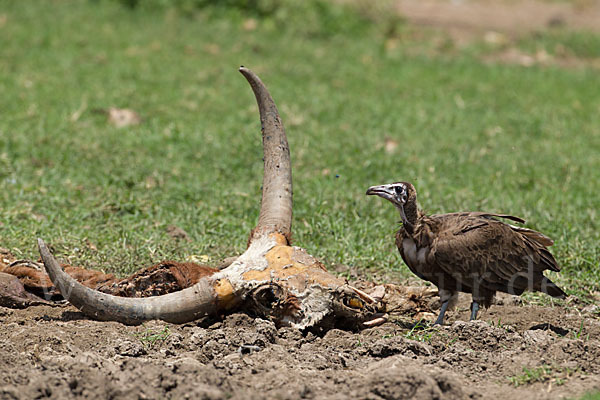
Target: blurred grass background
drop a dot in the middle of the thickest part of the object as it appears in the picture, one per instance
(366, 97)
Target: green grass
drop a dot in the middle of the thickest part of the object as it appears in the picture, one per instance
(151, 338)
(470, 136)
(545, 373)
(591, 396)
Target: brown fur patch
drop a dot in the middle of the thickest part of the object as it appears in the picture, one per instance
(162, 278)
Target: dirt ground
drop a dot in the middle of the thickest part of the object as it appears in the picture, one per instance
(463, 18)
(501, 24)
(55, 352)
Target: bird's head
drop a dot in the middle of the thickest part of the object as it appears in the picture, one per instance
(399, 193)
(404, 196)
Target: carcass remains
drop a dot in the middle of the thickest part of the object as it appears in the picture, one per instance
(271, 279)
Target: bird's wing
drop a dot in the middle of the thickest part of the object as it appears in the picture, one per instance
(472, 246)
(535, 236)
(481, 214)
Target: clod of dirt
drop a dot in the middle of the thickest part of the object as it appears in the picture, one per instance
(130, 349)
(177, 233)
(119, 117)
(399, 345)
(394, 379)
(122, 117)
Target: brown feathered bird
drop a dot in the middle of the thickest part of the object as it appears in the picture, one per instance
(470, 252)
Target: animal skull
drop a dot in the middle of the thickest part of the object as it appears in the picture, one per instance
(271, 278)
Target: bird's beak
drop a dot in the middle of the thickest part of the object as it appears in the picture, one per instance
(383, 191)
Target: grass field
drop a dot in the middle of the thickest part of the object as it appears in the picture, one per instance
(363, 104)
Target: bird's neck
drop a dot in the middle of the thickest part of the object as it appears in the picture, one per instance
(410, 214)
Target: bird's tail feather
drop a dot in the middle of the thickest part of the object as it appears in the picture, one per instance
(550, 288)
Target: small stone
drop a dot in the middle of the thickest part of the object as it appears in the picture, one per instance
(130, 349)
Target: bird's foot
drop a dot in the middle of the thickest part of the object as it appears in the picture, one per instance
(474, 310)
(440, 318)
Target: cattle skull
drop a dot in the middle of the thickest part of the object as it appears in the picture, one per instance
(271, 278)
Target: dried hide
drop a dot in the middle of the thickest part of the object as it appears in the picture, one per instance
(162, 278)
(14, 295)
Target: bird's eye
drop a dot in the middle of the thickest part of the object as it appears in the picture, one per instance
(399, 190)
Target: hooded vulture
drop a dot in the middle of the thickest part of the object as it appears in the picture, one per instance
(470, 252)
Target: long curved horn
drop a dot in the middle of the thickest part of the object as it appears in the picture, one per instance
(210, 295)
(276, 205)
(179, 307)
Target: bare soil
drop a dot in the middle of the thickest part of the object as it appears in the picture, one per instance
(472, 17)
(56, 352)
(502, 23)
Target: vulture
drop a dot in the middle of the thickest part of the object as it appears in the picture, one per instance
(471, 252)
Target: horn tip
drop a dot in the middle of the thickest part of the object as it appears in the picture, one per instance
(245, 71)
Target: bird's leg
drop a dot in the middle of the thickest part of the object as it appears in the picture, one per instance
(474, 309)
(440, 318)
